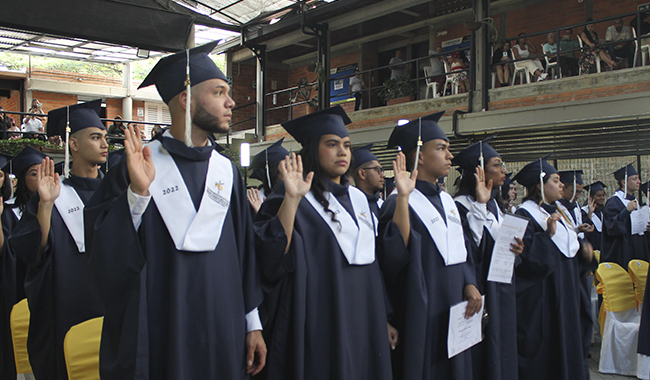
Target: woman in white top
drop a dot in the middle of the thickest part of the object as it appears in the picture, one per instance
(522, 49)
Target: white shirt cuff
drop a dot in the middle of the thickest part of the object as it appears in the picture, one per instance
(137, 205)
(253, 321)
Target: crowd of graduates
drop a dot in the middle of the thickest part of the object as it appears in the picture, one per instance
(311, 277)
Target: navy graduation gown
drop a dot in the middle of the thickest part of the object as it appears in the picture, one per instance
(644, 329)
(60, 290)
(595, 237)
(373, 202)
(422, 289)
(12, 290)
(171, 314)
(496, 356)
(547, 283)
(326, 318)
(619, 245)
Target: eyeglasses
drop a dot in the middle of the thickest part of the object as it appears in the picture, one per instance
(379, 169)
(501, 165)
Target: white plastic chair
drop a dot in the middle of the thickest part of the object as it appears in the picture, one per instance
(552, 65)
(645, 49)
(430, 83)
(521, 70)
(454, 86)
(597, 57)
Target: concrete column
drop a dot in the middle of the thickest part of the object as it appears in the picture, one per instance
(127, 108)
(432, 38)
(260, 99)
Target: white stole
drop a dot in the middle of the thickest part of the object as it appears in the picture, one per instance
(477, 219)
(71, 209)
(356, 241)
(621, 196)
(380, 202)
(598, 224)
(565, 237)
(578, 222)
(191, 230)
(449, 238)
(16, 210)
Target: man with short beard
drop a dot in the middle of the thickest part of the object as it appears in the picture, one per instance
(170, 242)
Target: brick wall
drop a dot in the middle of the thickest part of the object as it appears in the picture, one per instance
(52, 100)
(12, 103)
(114, 108)
(76, 77)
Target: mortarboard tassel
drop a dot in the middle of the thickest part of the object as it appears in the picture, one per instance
(541, 180)
(66, 163)
(188, 103)
(625, 195)
(481, 159)
(573, 197)
(417, 151)
(268, 172)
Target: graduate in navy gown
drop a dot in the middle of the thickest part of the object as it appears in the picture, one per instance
(7, 370)
(423, 255)
(509, 194)
(478, 202)
(592, 213)
(547, 280)
(25, 166)
(170, 239)
(573, 188)
(368, 176)
(264, 167)
(49, 238)
(316, 248)
(619, 244)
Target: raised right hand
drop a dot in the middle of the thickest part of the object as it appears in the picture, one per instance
(404, 183)
(294, 184)
(483, 191)
(49, 185)
(138, 161)
(551, 223)
(632, 206)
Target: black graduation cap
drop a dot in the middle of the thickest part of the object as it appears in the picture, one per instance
(363, 155)
(4, 158)
(644, 187)
(508, 181)
(26, 158)
(169, 74)
(469, 158)
(406, 136)
(619, 175)
(324, 122)
(273, 154)
(595, 187)
(567, 177)
(529, 174)
(83, 115)
(389, 182)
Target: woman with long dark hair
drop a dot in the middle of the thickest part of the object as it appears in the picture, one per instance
(591, 50)
(315, 238)
(25, 165)
(508, 194)
(548, 284)
(479, 205)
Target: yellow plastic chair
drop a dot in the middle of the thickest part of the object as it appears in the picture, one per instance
(638, 271)
(19, 320)
(81, 349)
(619, 321)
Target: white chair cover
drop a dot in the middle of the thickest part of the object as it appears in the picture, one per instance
(620, 337)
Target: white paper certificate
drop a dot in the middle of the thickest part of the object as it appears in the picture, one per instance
(503, 260)
(463, 333)
(639, 220)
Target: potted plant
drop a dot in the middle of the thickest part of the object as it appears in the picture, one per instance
(395, 91)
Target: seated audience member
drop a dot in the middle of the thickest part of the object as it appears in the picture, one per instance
(5, 124)
(625, 49)
(591, 50)
(500, 60)
(570, 45)
(32, 125)
(438, 67)
(550, 49)
(459, 76)
(643, 28)
(521, 50)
